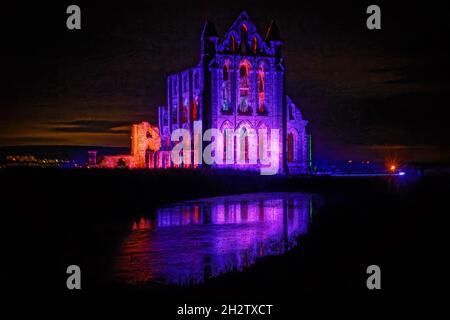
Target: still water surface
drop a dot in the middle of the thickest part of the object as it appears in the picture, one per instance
(191, 242)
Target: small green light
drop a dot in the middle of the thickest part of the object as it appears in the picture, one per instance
(310, 151)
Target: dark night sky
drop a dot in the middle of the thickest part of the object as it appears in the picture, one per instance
(364, 92)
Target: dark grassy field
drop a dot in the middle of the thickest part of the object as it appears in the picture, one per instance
(53, 218)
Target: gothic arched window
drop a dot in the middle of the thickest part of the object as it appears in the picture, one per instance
(244, 32)
(226, 137)
(185, 84)
(243, 145)
(174, 114)
(290, 155)
(261, 106)
(185, 112)
(244, 39)
(175, 87)
(233, 44)
(246, 147)
(291, 113)
(263, 142)
(195, 109)
(226, 89)
(225, 73)
(255, 45)
(243, 89)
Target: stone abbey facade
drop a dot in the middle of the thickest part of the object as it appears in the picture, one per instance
(145, 146)
(239, 88)
(239, 84)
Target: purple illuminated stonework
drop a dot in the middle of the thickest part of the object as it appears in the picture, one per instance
(238, 83)
(191, 242)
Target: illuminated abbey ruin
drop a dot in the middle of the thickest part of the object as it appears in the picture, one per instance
(145, 141)
(237, 87)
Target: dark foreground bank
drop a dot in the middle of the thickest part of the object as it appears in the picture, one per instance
(55, 218)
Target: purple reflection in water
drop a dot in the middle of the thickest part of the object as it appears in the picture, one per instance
(193, 241)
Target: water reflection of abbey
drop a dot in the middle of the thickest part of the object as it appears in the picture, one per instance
(194, 241)
(221, 211)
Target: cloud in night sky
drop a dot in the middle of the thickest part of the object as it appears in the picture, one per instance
(92, 126)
